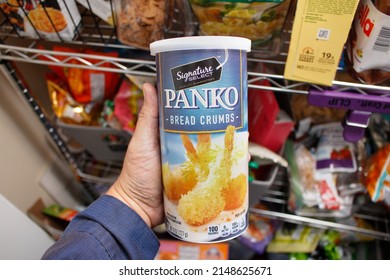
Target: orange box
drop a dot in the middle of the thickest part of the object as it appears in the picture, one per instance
(181, 250)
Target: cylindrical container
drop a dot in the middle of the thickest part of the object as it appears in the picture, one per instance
(202, 86)
(368, 43)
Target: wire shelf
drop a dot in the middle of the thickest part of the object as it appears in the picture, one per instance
(98, 34)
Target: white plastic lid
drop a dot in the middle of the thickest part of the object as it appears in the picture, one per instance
(200, 43)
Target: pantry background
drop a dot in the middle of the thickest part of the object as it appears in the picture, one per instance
(36, 165)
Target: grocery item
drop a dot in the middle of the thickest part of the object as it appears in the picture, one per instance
(260, 21)
(202, 84)
(101, 8)
(314, 192)
(377, 175)
(56, 20)
(140, 22)
(60, 212)
(128, 103)
(180, 250)
(260, 231)
(318, 37)
(295, 238)
(65, 107)
(369, 42)
(86, 85)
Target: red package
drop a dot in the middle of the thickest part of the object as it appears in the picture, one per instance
(87, 85)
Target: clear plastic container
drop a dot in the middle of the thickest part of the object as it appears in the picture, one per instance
(260, 21)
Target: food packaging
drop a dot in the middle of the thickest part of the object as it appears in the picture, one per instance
(369, 42)
(141, 22)
(260, 21)
(202, 86)
(55, 20)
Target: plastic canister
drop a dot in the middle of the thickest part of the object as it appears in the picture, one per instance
(368, 43)
(202, 86)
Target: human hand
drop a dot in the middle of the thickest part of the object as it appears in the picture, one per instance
(139, 184)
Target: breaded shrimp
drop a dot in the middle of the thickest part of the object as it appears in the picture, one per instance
(202, 205)
(235, 192)
(205, 202)
(179, 181)
(176, 183)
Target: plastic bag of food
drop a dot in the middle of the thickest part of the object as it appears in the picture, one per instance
(377, 175)
(65, 107)
(127, 104)
(87, 85)
(259, 20)
(56, 20)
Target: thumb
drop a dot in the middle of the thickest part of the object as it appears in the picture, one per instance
(147, 124)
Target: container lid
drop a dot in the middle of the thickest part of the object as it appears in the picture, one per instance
(200, 43)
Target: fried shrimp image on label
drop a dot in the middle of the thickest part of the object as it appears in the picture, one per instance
(176, 182)
(235, 192)
(182, 179)
(201, 205)
(206, 201)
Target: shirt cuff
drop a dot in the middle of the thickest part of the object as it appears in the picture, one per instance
(125, 225)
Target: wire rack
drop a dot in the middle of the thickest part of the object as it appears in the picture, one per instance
(275, 197)
(97, 176)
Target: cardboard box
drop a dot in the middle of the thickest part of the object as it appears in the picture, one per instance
(318, 35)
(268, 125)
(54, 227)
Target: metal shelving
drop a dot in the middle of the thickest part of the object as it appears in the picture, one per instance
(275, 197)
(98, 34)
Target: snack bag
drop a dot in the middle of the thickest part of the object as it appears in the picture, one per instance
(87, 85)
(377, 179)
(128, 102)
(65, 107)
(56, 20)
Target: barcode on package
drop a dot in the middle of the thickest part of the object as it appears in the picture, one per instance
(382, 43)
(323, 34)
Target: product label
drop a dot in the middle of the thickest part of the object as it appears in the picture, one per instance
(204, 143)
(372, 46)
(319, 32)
(196, 73)
(210, 104)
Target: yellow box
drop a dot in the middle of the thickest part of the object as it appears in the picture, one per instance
(319, 32)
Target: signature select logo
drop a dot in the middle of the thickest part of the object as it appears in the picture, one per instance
(196, 73)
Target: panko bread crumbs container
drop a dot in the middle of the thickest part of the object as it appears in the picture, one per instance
(202, 86)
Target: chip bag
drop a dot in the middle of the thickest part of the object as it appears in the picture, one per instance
(87, 85)
(377, 178)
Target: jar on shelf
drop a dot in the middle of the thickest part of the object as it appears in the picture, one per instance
(368, 44)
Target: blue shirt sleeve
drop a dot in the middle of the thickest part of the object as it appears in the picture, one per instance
(106, 230)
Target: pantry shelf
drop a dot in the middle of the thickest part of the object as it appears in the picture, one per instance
(95, 176)
(276, 199)
(146, 67)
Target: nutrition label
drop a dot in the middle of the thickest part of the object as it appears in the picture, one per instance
(214, 232)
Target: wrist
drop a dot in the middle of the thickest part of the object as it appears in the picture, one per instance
(117, 192)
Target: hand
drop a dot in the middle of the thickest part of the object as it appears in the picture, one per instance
(139, 184)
